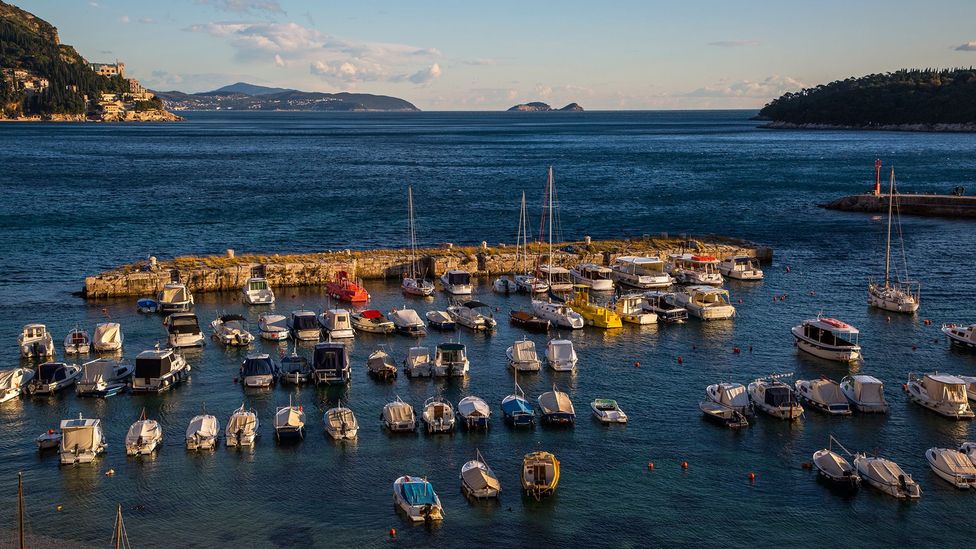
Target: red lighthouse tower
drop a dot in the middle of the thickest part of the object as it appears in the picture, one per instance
(877, 177)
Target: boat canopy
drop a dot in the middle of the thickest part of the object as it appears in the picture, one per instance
(517, 405)
(258, 365)
(418, 355)
(232, 318)
(524, 350)
(153, 364)
(304, 320)
(107, 332)
(451, 352)
(398, 411)
(778, 395)
(561, 349)
(289, 416)
(97, 370)
(556, 401)
(257, 284)
(35, 330)
(418, 492)
(458, 277)
(731, 393)
(946, 387)
(371, 314)
(330, 357)
(50, 372)
(825, 390)
(242, 421)
(832, 325)
(183, 323)
(80, 434)
(294, 363)
(477, 478)
(173, 293)
(475, 304)
(408, 317)
(868, 389)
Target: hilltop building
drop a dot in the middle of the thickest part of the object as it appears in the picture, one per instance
(108, 69)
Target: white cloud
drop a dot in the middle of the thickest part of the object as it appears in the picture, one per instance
(771, 87)
(968, 46)
(94, 4)
(147, 20)
(161, 80)
(734, 43)
(424, 76)
(245, 6)
(345, 71)
(124, 19)
(279, 62)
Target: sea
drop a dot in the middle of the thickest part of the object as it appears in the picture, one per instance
(79, 199)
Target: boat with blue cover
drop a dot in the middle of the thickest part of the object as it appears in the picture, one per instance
(417, 499)
(517, 410)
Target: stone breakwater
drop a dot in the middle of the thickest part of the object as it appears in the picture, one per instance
(229, 272)
(950, 128)
(937, 205)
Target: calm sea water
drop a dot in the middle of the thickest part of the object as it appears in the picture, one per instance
(78, 199)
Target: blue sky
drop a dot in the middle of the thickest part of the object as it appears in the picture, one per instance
(444, 55)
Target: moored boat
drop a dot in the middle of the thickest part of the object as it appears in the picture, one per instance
(273, 327)
(35, 342)
(663, 305)
(52, 377)
(828, 338)
(540, 474)
(440, 320)
(289, 423)
(517, 409)
(174, 298)
(451, 359)
(865, 393)
(528, 321)
(475, 413)
(157, 370)
(183, 330)
(257, 291)
(596, 277)
(330, 364)
(942, 393)
(340, 423)
(398, 416)
(558, 314)
(903, 295)
(522, 356)
(232, 330)
(418, 363)
(723, 415)
(730, 395)
(337, 324)
(103, 377)
(640, 272)
(304, 326)
(82, 440)
(380, 365)
(741, 267)
(774, 398)
(695, 270)
(608, 411)
(412, 283)
(147, 305)
(202, 432)
(371, 321)
(456, 282)
(295, 368)
(258, 370)
(14, 382)
(705, 302)
(48, 440)
(834, 468)
(242, 428)
(471, 314)
(408, 322)
(144, 436)
(592, 313)
(345, 289)
(561, 355)
(823, 395)
(629, 307)
(952, 466)
(556, 408)
(417, 499)
(77, 342)
(478, 480)
(964, 336)
(438, 415)
(108, 337)
(886, 476)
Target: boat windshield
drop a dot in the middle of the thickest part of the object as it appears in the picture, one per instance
(831, 338)
(452, 354)
(304, 322)
(458, 277)
(257, 285)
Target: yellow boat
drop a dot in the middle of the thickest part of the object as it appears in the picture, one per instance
(540, 474)
(593, 314)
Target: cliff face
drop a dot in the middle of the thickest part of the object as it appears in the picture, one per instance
(29, 21)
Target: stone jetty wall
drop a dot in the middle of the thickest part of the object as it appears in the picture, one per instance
(935, 205)
(230, 271)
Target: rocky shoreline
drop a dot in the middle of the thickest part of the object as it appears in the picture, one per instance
(950, 128)
(130, 116)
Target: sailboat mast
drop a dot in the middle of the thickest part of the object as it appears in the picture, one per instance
(524, 228)
(118, 528)
(21, 536)
(413, 244)
(891, 200)
(549, 190)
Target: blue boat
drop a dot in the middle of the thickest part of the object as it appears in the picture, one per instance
(147, 305)
(517, 410)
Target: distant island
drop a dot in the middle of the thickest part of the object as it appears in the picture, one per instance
(44, 80)
(905, 100)
(251, 97)
(538, 106)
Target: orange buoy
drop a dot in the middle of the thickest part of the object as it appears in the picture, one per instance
(681, 360)
(392, 532)
(650, 465)
(636, 364)
(684, 464)
(806, 465)
(752, 476)
(904, 387)
(926, 322)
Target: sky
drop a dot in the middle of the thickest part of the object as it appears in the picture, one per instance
(459, 55)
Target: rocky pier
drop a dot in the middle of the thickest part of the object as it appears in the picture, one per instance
(934, 205)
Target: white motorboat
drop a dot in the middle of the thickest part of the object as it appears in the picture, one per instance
(504, 285)
(273, 327)
(953, 466)
(398, 416)
(82, 440)
(13, 383)
(630, 309)
(202, 433)
(531, 284)
(903, 295)
(696, 270)
(341, 423)
(77, 342)
(705, 302)
(35, 342)
(596, 277)
(887, 476)
(942, 393)
(475, 413)
(242, 428)
(418, 363)
(643, 273)
(970, 382)
(608, 411)
(663, 305)
(232, 331)
(741, 267)
(147, 305)
(561, 355)
(440, 320)
(371, 321)
(556, 408)
(730, 395)
(103, 377)
(52, 377)
(823, 395)
(108, 337)
(337, 324)
(478, 480)
(183, 330)
(330, 364)
(522, 356)
(969, 448)
(417, 499)
(257, 291)
(559, 279)
(865, 393)
(408, 322)
(258, 370)
(295, 368)
(174, 298)
(438, 415)
(144, 436)
(834, 468)
(457, 282)
(289, 422)
(472, 314)
(828, 338)
(157, 370)
(775, 398)
(380, 365)
(304, 326)
(559, 314)
(964, 336)
(48, 440)
(723, 415)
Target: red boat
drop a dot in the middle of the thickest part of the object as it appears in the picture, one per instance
(344, 289)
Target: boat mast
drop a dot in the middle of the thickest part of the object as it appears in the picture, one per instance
(549, 190)
(21, 538)
(524, 228)
(413, 237)
(891, 200)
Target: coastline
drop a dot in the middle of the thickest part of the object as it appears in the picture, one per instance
(944, 128)
(130, 116)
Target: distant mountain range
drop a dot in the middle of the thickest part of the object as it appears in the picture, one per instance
(539, 106)
(251, 97)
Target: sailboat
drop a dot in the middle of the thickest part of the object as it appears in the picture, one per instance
(119, 536)
(413, 285)
(901, 296)
(526, 282)
(557, 313)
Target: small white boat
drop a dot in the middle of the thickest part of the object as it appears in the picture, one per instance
(258, 370)
(559, 314)
(663, 305)
(823, 395)
(865, 393)
(174, 298)
(639, 272)
(52, 377)
(705, 302)
(730, 395)
(77, 342)
(457, 282)
(556, 408)
(295, 368)
(330, 364)
(232, 331)
(13, 383)
(559, 279)
(82, 440)
(398, 416)
(341, 423)
(608, 411)
(475, 413)
(108, 337)
(157, 370)
(530, 284)
(561, 356)
(504, 285)
(596, 277)
(828, 338)
(440, 320)
(103, 377)
(304, 326)
(695, 270)
(942, 393)
(970, 382)
(741, 267)
(273, 327)
(289, 422)
(380, 365)
(418, 363)
(202, 433)
(522, 356)
(472, 314)
(775, 398)
(35, 342)
(969, 448)
(242, 428)
(723, 415)
(257, 291)
(417, 286)
(835, 469)
(417, 499)
(48, 440)
(964, 336)
(630, 309)
(184, 330)
(372, 321)
(147, 305)
(408, 322)
(478, 480)
(953, 466)
(144, 436)
(451, 359)
(337, 324)
(438, 415)
(887, 476)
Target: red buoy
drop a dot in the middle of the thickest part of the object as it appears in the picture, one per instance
(392, 532)
(806, 465)
(681, 360)
(926, 322)
(636, 364)
(736, 350)
(752, 477)
(684, 464)
(650, 465)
